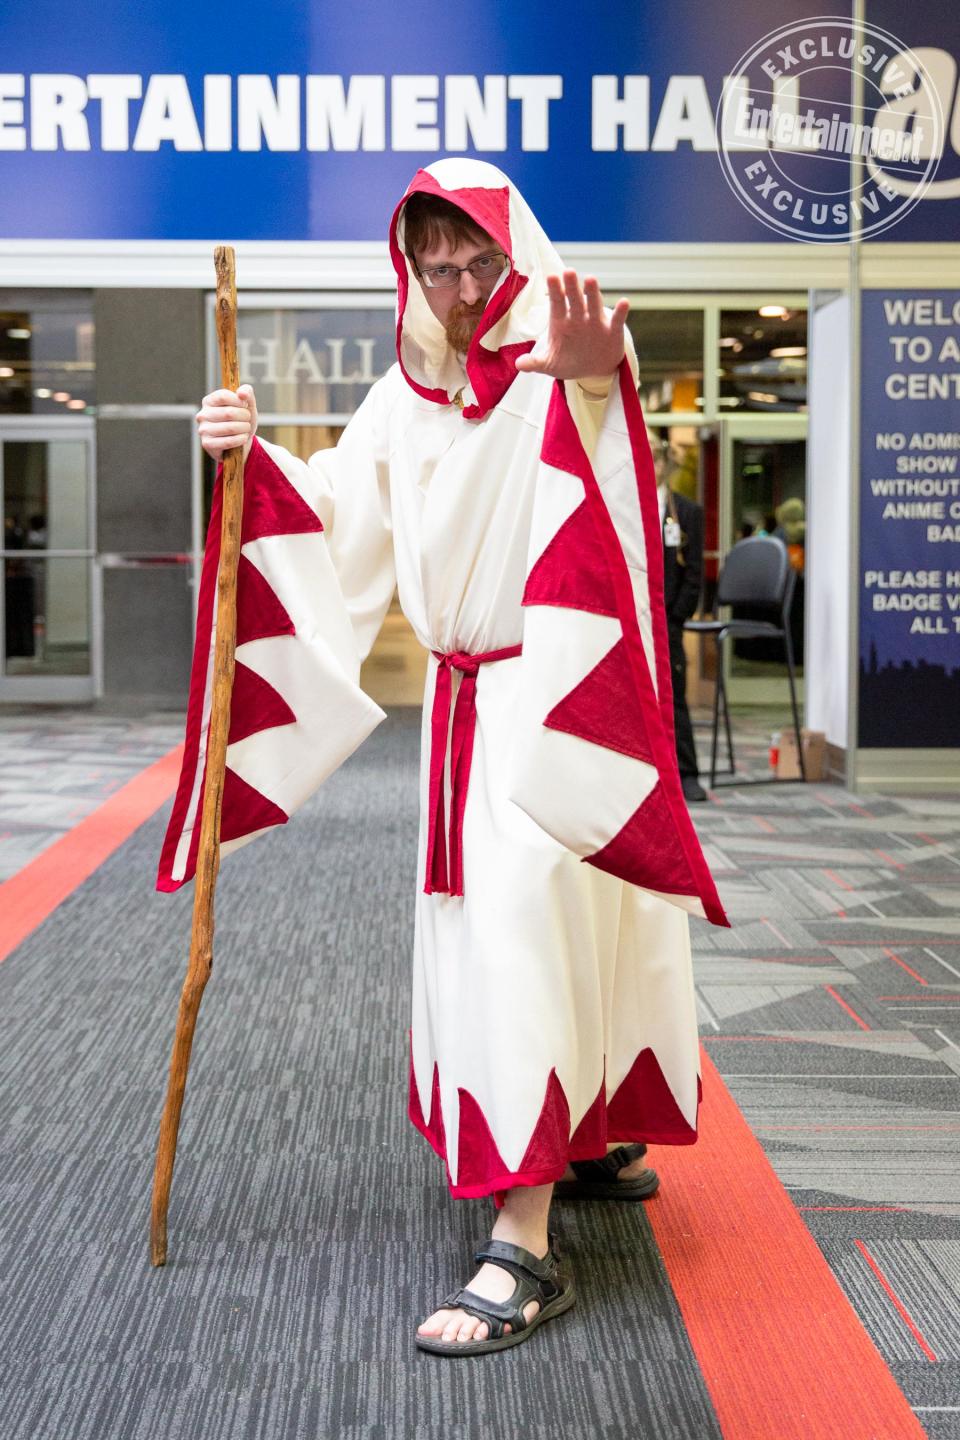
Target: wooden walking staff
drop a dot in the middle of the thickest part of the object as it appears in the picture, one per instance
(208, 854)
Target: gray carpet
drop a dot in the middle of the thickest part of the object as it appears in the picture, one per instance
(310, 1225)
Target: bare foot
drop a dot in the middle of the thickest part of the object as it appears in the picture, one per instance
(493, 1283)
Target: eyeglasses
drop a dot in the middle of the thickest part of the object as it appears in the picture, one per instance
(484, 267)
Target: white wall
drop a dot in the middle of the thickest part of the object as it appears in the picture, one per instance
(828, 577)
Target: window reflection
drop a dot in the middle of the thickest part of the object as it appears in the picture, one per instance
(45, 495)
(46, 615)
(769, 498)
(763, 359)
(669, 345)
(314, 362)
(680, 446)
(46, 355)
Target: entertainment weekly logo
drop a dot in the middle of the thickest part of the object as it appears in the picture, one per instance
(788, 135)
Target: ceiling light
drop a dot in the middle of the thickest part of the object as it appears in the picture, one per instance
(19, 333)
(788, 352)
(773, 312)
(728, 340)
(61, 396)
(76, 404)
(42, 394)
(762, 397)
(5, 372)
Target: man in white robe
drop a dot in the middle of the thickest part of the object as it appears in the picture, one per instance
(499, 477)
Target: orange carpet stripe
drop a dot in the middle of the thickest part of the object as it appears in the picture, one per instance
(28, 897)
(780, 1347)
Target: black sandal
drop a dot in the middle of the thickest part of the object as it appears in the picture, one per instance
(540, 1280)
(597, 1179)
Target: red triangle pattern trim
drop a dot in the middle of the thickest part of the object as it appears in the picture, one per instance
(414, 1108)
(245, 809)
(432, 1129)
(271, 506)
(589, 1140)
(648, 851)
(259, 613)
(643, 1110)
(603, 708)
(255, 705)
(572, 571)
(194, 753)
(643, 1107)
(477, 1153)
(551, 1134)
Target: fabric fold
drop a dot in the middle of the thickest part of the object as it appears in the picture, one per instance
(293, 688)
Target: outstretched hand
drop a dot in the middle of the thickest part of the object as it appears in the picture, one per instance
(582, 341)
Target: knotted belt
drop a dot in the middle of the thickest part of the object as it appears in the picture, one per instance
(444, 872)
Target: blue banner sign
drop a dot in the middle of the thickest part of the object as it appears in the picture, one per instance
(910, 519)
(305, 120)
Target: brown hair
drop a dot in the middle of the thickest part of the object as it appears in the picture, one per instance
(427, 219)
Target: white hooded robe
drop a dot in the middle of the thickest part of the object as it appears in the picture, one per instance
(553, 1004)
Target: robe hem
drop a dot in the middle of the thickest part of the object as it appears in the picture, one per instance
(497, 1184)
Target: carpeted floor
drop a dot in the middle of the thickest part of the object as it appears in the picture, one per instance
(302, 1196)
(310, 1225)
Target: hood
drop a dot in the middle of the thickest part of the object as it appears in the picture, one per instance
(517, 312)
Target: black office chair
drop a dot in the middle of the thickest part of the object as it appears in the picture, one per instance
(757, 572)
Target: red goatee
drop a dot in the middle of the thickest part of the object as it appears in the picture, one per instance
(461, 324)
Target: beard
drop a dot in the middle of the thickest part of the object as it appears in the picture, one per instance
(461, 324)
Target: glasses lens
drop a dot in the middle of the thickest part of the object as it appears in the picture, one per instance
(487, 267)
(441, 276)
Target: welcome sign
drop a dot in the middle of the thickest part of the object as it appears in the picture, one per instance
(910, 519)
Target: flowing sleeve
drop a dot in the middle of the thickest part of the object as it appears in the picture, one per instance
(348, 486)
(595, 700)
(314, 581)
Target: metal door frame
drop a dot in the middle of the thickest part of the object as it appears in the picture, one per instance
(58, 689)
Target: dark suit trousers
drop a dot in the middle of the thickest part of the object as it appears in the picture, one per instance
(686, 750)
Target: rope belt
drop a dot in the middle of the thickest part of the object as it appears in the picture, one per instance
(443, 876)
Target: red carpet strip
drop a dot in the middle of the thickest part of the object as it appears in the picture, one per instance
(28, 897)
(781, 1349)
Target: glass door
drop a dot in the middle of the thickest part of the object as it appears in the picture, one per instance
(763, 491)
(49, 604)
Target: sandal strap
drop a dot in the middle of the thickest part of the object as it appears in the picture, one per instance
(536, 1280)
(502, 1252)
(600, 1171)
(538, 1277)
(497, 1314)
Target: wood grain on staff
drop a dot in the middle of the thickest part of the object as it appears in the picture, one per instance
(208, 854)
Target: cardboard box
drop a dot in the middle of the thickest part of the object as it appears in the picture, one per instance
(814, 755)
(788, 763)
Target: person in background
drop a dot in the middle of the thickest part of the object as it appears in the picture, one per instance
(681, 522)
